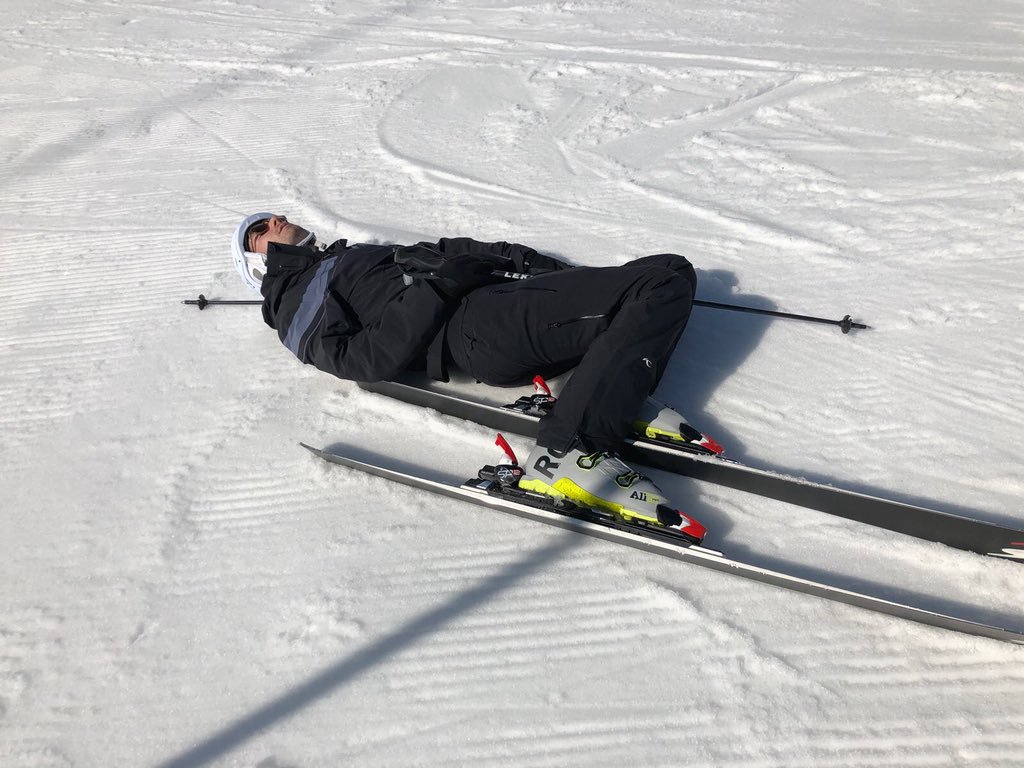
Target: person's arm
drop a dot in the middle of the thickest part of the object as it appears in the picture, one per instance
(382, 350)
(522, 258)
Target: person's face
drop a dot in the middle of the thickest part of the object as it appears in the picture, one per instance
(276, 229)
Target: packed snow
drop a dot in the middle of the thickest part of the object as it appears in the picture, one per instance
(182, 584)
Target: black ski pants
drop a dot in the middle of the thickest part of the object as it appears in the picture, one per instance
(617, 326)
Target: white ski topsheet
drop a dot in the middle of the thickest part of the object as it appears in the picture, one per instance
(173, 563)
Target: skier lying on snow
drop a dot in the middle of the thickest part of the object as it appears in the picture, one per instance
(347, 310)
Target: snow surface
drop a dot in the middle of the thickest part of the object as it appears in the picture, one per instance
(183, 585)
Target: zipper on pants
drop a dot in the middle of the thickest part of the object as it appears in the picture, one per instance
(560, 323)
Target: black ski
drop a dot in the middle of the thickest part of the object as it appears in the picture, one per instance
(488, 493)
(931, 524)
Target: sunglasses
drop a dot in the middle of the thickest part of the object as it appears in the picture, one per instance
(256, 230)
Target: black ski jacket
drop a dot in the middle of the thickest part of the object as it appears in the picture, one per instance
(347, 310)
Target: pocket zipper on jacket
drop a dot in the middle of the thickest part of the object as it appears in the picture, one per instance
(560, 323)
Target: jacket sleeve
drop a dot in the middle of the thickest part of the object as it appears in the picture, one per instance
(380, 351)
(523, 258)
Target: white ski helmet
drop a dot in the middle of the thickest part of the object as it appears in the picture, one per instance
(251, 266)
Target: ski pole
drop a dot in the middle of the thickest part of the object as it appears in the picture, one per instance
(202, 302)
(845, 324)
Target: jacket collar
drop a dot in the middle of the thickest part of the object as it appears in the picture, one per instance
(285, 264)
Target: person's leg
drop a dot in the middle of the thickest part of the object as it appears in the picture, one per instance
(617, 327)
(622, 365)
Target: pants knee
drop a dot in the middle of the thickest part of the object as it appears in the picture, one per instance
(666, 285)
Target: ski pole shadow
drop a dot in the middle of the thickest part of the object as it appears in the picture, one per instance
(217, 745)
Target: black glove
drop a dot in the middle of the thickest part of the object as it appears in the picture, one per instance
(462, 274)
(418, 260)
